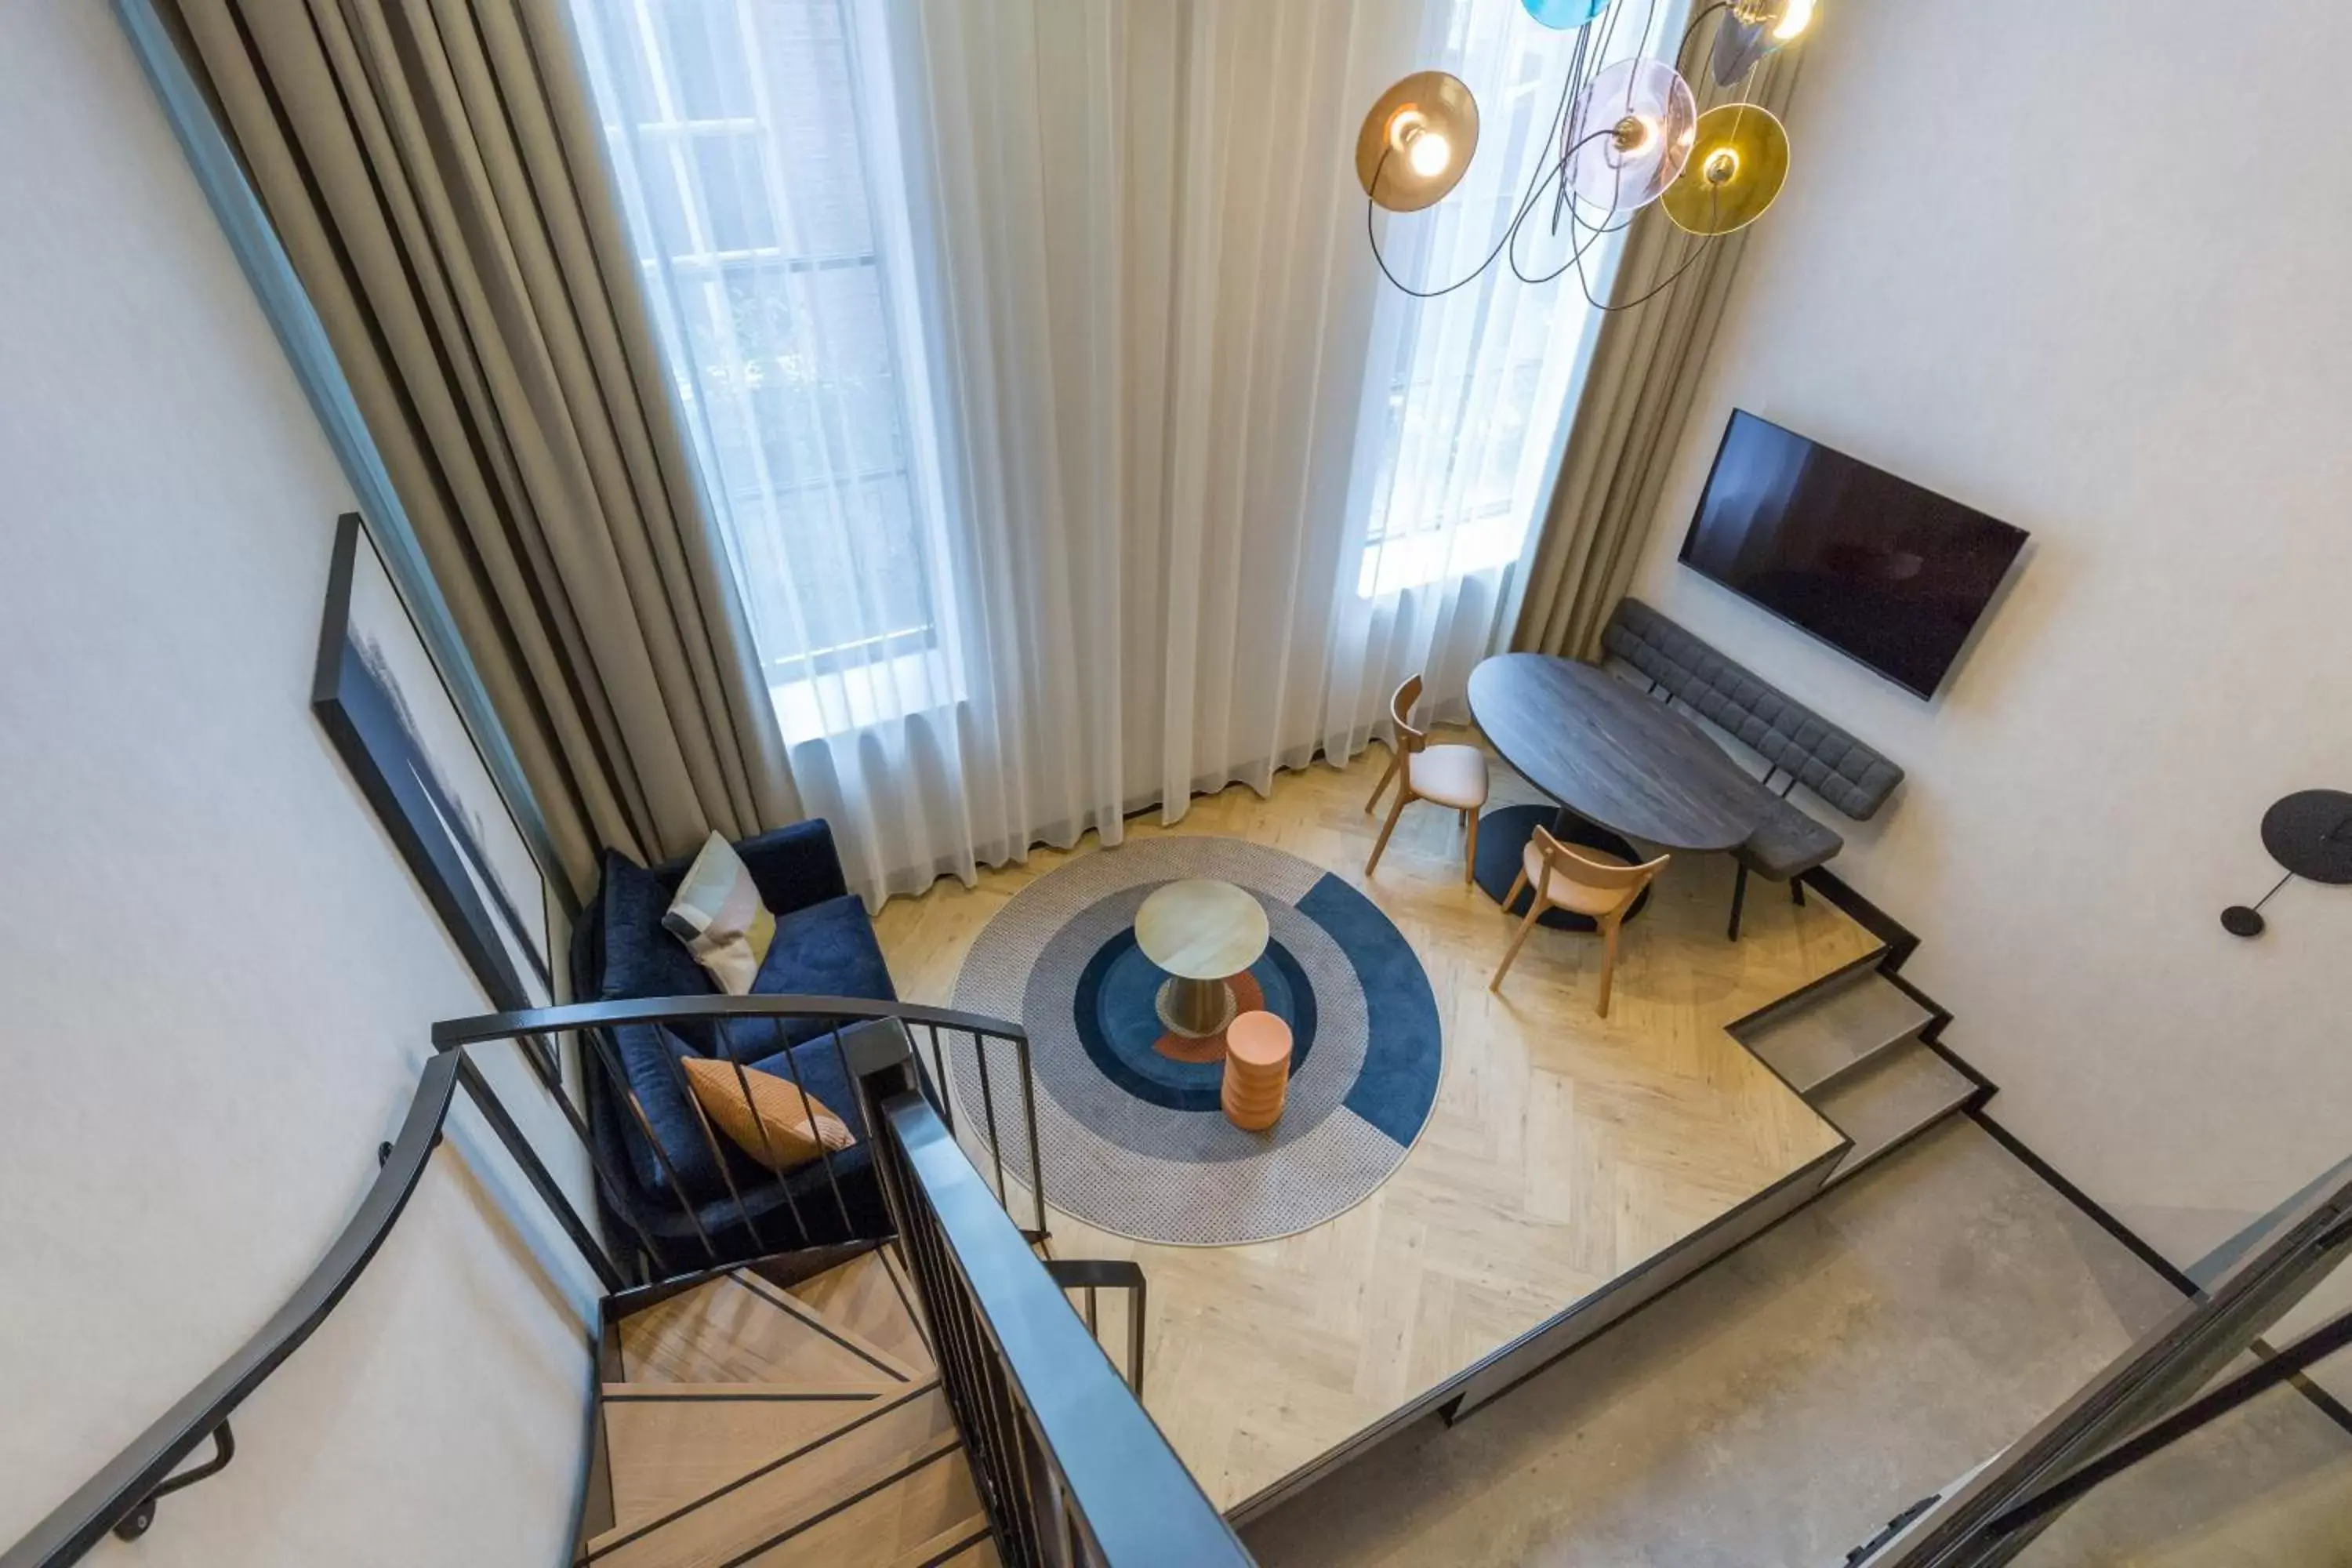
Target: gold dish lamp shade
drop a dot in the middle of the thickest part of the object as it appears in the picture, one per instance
(1737, 164)
(1416, 142)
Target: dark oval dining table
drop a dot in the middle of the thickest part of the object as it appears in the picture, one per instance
(1622, 765)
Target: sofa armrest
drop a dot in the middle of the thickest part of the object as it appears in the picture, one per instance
(794, 867)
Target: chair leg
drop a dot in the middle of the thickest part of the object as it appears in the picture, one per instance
(1470, 846)
(1381, 788)
(1403, 795)
(1739, 897)
(1796, 892)
(1535, 912)
(1519, 886)
(1609, 929)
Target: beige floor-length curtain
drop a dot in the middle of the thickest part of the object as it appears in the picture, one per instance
(434, 170)
(1630, 414)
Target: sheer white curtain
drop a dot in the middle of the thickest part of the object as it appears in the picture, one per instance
(1073, 455)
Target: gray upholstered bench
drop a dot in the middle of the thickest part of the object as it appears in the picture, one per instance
(1793, 739)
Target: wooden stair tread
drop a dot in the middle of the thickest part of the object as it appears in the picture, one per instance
(668, 1443)
(742, 1329)
(1894, 1096)
(865, 1300)
(794, 1485)
(1832, 1032)
(965, 1543)
(884, 1529)
(873, 1383)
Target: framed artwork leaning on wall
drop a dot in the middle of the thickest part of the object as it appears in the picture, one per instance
(390, 717)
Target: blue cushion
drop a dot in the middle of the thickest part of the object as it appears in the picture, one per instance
(825, 949)
(642, 958)
(794, 866)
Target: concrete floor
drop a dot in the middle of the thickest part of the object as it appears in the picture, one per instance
(1780, 1407)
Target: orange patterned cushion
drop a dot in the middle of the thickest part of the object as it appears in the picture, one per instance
(774, 1129)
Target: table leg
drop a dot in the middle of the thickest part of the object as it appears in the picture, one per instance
(1195, 1008)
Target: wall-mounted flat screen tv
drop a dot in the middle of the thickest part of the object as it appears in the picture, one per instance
(1894, 575)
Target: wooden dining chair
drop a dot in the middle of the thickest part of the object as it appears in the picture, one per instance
(1453, 776)
(1584, 882)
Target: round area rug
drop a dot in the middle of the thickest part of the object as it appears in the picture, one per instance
(1127, 1113)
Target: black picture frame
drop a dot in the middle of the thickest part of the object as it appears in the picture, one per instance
(388, 712)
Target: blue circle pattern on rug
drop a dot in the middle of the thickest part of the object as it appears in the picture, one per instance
(1119, 1022)
(1134, 1142)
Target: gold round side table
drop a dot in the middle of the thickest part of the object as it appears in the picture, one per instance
(1202, 934)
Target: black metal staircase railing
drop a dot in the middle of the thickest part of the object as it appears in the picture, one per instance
(1093, 1276)
(1072, 1469)
(2162, 1390)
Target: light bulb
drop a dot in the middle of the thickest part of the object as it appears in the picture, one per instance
(1423, 131)
(1722, 164)
(1796, 16)
(1634, 134)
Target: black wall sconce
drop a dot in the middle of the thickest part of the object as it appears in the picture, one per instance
(2310, 833)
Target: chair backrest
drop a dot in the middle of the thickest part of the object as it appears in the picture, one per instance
(1401, 711)
(1792, 738)
(1606, 875)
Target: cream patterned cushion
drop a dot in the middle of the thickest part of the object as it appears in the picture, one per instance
(718, 915)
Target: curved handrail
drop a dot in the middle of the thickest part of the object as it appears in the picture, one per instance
(664, 1009)
(133, 1476)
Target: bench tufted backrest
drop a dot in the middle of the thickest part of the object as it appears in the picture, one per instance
(1835, 767)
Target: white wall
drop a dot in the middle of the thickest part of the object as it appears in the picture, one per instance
(2084, 267)
(216, 975)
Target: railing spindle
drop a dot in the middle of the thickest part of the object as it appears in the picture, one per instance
(611, 1183)
(987, 1109)
(1136, 1298)
(710, 1142)
(1012, 1483)
(940, 1077)
(619, 1082)
(767, 1145)
(898, 1289)
(1029, 1107)
(534, 1170)
(808, 1116)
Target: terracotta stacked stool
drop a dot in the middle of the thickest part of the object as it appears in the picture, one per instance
(1257, 1070)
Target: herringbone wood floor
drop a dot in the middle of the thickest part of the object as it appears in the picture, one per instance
(1562, 1152)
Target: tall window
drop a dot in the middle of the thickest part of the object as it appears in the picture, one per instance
(1483, 375)
(752, 205)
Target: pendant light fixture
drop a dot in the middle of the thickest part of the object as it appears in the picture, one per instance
(1738, 158)
(1417, 141)
(1626, 133)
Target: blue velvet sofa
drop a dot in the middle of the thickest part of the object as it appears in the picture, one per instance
(823, 946)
